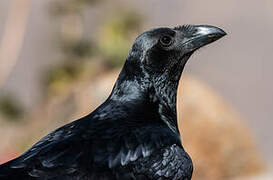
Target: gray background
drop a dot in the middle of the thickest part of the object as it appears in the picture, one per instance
(239, 67)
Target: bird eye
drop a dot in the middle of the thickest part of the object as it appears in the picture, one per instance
(166, 40)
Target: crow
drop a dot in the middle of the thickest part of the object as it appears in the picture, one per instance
(134, 133)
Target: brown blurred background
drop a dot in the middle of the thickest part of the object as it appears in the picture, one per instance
(59, 59)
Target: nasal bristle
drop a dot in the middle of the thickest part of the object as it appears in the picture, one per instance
(187, 28)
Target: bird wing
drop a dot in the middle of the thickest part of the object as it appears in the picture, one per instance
(105, 151)
(153, 152)
(171, 162)
(60, 153)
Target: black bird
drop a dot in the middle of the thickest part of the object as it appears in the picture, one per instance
(134, 133)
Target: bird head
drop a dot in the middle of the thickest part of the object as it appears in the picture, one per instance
(158, 56)
(164, 51)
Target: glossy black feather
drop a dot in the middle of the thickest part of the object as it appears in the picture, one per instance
(134, 133)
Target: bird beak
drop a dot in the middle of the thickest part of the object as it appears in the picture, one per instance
(198, 36)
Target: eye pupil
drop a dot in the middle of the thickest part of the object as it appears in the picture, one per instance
(166, 40)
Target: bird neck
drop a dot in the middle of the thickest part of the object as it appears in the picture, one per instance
(165, 95)
(160, 96)
(165, 87)
(160, 91)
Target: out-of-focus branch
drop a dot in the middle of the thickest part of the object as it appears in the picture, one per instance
(13, 36)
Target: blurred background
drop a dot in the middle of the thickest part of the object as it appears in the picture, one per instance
(60, 58)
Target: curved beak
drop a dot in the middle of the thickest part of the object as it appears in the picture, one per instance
(198, 36)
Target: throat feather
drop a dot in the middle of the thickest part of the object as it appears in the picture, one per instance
(166, 97)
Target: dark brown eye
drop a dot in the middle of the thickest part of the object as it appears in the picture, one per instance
(166, 40)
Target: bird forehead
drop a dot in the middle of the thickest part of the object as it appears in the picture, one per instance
(160, 31)
(149, 38)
